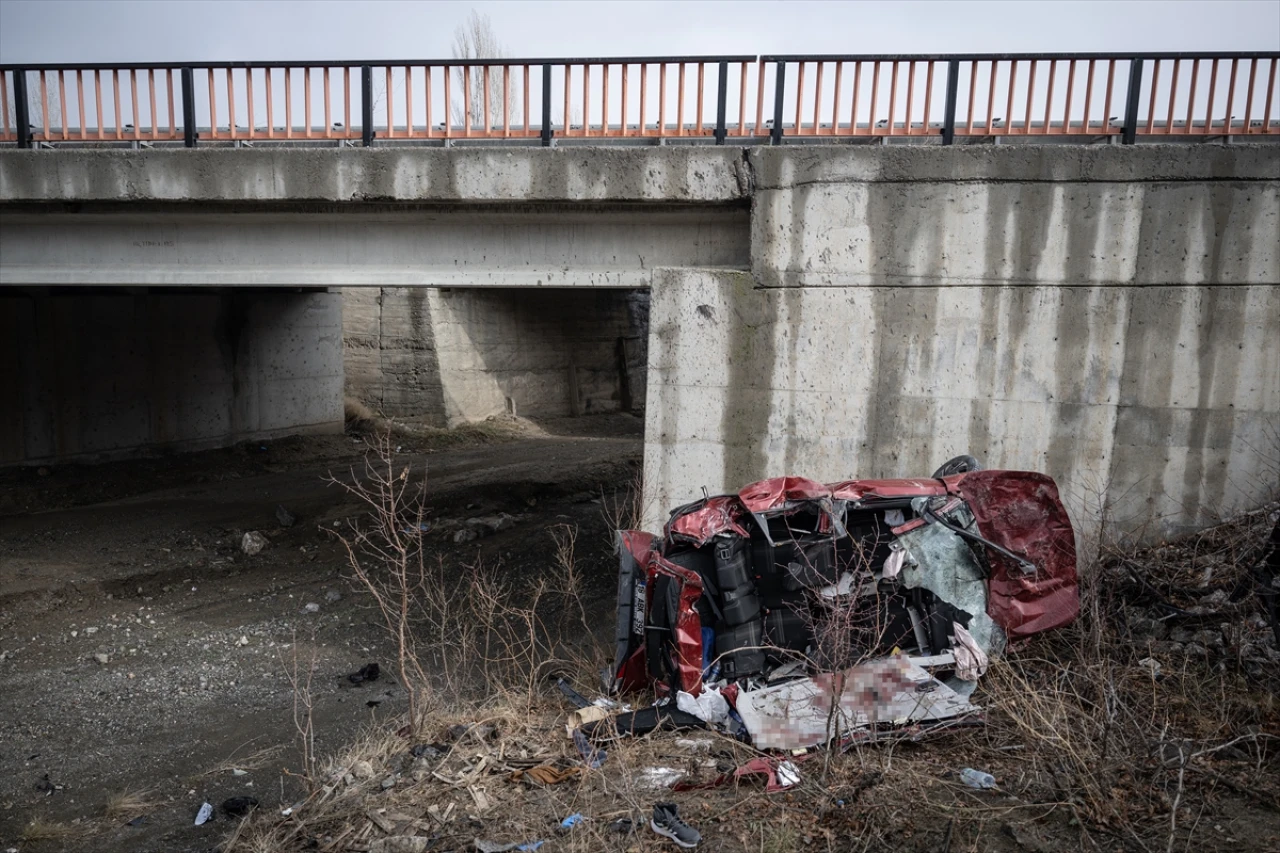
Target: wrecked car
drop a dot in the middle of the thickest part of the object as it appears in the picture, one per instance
(820, 610)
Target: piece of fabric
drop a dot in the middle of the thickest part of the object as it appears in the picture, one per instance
(971, 660)
(547, 774)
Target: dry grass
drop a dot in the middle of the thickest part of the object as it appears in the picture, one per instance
(42, 830)
(126, 805)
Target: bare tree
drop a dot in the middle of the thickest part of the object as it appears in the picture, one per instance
(476, 39)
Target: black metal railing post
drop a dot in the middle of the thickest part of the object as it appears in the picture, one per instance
(366, 104)
(949, 110)
(546, 106)
(20, 116)
(188, 107)
(722, 95)
(775, 135)
(1130, 132)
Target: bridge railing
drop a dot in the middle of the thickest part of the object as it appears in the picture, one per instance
(1025, 95)
(698, 98)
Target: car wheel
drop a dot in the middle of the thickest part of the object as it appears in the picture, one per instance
(958, 465)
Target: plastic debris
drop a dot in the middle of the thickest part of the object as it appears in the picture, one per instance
(286, 518)
(658, 777)
(977, 779)
(592, 754)
(709, 706)
(571, 821)
(484, 846)
(578, 700)
(205, 814)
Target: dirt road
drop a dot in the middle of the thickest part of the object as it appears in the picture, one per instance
(142, 651)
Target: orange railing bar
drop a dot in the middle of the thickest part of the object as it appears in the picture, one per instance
(911, 93)
(1151, 103)
(701, 85)
(1248, 98)
(835, 100)
(1231, 96)
(1191, 96)
(662, 99)
(80, 101)
(893, 98)
(644, 95)
(1048, 99)
(760, 98)
(928, 94)
(248, 96)
(1271, 89)
(62, 102)
(173, 125)
(853, 109)
(679, 104)
(799, 94)
(1213, 85)
(817, 100)
(1173, 95)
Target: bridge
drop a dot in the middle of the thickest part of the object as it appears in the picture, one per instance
(710, 238)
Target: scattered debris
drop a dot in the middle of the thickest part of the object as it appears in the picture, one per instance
(311, 607)
(547, 774)
(205, 814)
(286, 518)
(401, 844)
(571, 821)
(102, 658)
(977, 779)
(368, 672)
(253, 542)
(658, 777)
(498, 847)
(666, 822)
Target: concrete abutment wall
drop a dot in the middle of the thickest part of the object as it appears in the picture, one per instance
(1108, 316)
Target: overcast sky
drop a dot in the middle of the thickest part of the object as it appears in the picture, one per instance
(212, 30)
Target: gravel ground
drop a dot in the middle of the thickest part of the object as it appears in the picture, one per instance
(142, 651)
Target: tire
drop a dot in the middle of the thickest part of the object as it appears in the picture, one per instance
(958, 465)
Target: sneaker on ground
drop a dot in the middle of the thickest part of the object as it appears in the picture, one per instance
(666, 821)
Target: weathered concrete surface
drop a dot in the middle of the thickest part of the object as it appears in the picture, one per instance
(379, 245)
(464, 354)
(1106, 314)
(1055, 216)
(1109, 316)
(108, 373)
(694, 175)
